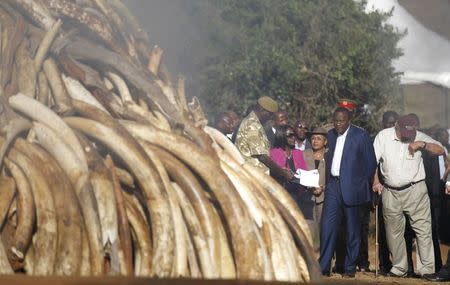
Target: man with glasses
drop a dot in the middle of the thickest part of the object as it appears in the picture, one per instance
(404, 192)
(301, 141)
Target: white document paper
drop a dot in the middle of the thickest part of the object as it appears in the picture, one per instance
(308, 178)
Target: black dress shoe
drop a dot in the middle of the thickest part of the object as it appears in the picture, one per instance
(436, 277)
(390, 274)
(326, 274)
(410, 274)
(348, 275)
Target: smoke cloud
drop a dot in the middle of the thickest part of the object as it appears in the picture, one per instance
(424, 50)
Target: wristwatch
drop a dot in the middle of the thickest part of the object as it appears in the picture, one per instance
(424, 146)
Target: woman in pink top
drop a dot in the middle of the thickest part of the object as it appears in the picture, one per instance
(285, 155)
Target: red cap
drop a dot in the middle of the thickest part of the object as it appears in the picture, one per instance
(408, 125)
(348, 104)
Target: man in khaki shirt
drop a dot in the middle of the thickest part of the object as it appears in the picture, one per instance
(398, 150)
(252, 142)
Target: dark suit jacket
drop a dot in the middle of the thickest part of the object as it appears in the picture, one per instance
(432, 178)
(270, 135)
(358, 165)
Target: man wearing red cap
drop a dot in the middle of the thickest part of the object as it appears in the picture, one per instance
(399, 152)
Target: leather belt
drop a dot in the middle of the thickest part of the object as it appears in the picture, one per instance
(400, 188)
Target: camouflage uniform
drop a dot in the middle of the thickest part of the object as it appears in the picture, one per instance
(251, 140)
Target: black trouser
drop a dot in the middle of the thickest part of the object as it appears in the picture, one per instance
(363, 257)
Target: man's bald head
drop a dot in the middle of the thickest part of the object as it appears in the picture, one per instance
(389, 119)
(280, 118)
(235, 117)
(225, 123)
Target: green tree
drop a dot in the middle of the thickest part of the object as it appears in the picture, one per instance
(305, 53)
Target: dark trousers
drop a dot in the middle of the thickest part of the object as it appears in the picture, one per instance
(334, 210)
(363, 257)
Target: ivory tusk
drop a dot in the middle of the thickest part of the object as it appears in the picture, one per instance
(39, 112)
(59, 91)
(117, 139)
(68, 253)
(124, 227)
(122, 88)
(26, 216)
(238, 218)
(45, 243)
(45, 44)
(77, 91)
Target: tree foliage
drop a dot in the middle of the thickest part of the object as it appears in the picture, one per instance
(305, 53)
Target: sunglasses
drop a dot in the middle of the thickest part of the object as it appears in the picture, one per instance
(290, 135)
(302, 126)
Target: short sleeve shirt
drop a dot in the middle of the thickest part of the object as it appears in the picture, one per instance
(397, 165)
(251, 140)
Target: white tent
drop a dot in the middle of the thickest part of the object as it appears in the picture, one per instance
(426, 54)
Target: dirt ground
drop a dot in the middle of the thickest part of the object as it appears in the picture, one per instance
(369, 278)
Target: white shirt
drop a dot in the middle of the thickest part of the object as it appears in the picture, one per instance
(337, 157)
(442, 163)
(300, 146)
(397, 165)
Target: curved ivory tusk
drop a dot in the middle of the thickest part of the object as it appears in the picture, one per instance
(68, 254)
(45, 242)
(85, 269)
(79, 177)
(225, 143)
(117, 139)
(196, 233)
(45, 44)
(65, 156)
(39, 112)
(243, 236)
(44, 91)
(184, 177)
(144, 240)
(62, 99)
(283, 257)
(179, 268)
(5, 267)
(26, 216)
(293, 217)
(77, 91)
(25, 72)
(122, 87)
(124, 177)
(124, 226)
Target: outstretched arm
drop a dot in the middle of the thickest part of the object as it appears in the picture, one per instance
(275, 169)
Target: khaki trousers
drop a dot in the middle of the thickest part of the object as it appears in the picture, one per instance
(415, 204)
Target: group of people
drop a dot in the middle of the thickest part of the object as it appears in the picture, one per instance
(399, 170)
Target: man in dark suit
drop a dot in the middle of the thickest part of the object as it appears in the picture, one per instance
(351, 164)
(279, 119)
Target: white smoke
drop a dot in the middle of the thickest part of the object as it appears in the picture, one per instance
(424, 50)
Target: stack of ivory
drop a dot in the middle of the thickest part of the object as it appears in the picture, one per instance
(107, 170)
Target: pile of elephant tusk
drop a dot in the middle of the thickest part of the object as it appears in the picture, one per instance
(108, 170)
